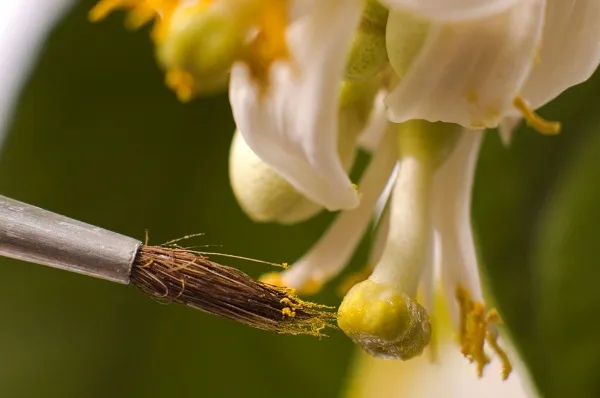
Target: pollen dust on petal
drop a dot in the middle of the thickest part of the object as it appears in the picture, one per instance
(474, 325)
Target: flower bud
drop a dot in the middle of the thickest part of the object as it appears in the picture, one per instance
(263, 194)
(368, 53)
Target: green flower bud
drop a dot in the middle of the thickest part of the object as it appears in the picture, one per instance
(263, 194)
(368, 54)
(203, 44)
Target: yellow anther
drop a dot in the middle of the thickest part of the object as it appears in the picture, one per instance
(141, 12)
(270, 44)
(181, 82)
(534, 120)
(465, 305)
(355, 186)
(285, 265)
(492, 340)
(105, 7)
(473, 347)
(474, 332)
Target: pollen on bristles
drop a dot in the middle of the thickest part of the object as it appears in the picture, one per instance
(187, 277)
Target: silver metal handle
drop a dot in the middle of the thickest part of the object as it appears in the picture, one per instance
(39, 236)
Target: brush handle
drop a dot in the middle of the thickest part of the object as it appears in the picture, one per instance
(39, 236)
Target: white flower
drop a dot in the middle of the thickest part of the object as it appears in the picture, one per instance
(427, 222)
(292, 124)
(447, 375)
(473, 62)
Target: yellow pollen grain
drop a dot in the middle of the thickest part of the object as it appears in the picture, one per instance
(287, 311)
(474, 323)
(181, 82)
(534, 120)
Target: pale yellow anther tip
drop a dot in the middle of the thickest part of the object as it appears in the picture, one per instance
(535, 121)
(385, 322)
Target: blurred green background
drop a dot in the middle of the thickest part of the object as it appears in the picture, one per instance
(98, 137)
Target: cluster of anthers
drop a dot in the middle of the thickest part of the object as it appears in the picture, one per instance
(250, 31)
(415, 83)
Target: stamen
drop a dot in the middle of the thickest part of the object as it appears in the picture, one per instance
(473, 333)
(492, 340)
(104, 7)
(534, 120)
(141, 12)
(181, 82)
(270, 44)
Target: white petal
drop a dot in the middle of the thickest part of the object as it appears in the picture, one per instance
(570, 49)
(507, 128)
(335, 248)
(382, 227)
(451, 376)
(452, 10)
(23, 26)
(369, 138)
(452, 219)
(466, 73)
(293, 127)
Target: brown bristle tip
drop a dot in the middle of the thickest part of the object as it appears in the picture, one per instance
(187, 277)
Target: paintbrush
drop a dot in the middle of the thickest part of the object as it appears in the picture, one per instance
(168, 272)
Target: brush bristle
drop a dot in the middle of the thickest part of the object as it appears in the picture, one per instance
(187, 277)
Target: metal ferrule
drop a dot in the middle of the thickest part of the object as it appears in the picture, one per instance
(39, 236)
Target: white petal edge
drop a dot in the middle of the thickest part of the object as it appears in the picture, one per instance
(23, 26)
(451, 376)
(335, 248)
(452, 10)
(371, 135)
(451, 206)
(507, 128)
(467, 73)
(293, 127)
(570, 49)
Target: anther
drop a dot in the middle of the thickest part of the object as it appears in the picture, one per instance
(534, 120)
